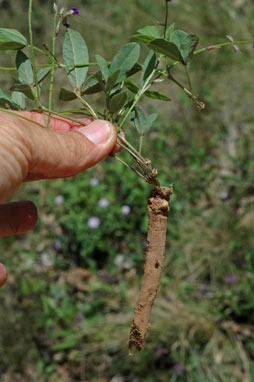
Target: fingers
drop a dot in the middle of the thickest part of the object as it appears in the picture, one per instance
(66, 149)
(18, 217)
(56, 123)
(3, 274)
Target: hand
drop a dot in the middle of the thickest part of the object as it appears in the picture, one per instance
(29, 152)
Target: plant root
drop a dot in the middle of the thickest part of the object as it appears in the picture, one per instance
(158, 210)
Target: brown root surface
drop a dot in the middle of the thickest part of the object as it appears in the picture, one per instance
(158, 209)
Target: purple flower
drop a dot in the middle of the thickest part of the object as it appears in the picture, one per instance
(74, 10)
(103, 202)
(202, 289)
(58, 200)
(161, 351)
(230, 279)
(94, 182)
(66, 24)
(57, 245)
(179, 369)
(168, 298)
(145, 243)
(126, 210)
(93, 222)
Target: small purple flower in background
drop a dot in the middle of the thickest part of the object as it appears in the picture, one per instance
(93, 222)
(161, 351)
(126, 210)
(198, 296)
(103, 202)
(74, 10)
(57, 245)
(168, 298)
(230, 279)
(58, 200)
(79, 318)
(94, 182)
(179, 369)
(202, 290)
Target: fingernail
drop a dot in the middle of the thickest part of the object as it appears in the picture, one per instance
(97, 131)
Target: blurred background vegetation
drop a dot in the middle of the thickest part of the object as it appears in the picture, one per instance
(73, 282)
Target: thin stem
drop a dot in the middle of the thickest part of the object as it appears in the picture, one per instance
(121, 161)
(21, 116)
(52, 74)
(137, 98)
(188, 78)
(38, 50)
(32, 48)
(86, 104)
(166, 19)
(132, 149)
(69, 118)
(141, 137)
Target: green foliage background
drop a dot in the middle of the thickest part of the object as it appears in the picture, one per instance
(67, 307)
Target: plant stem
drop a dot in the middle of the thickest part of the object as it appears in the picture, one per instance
(32, 48)
(132, 149)
(38, 50)
(188, 78)
(69, 118)
(86, 104)
(52, 74)
(141, 137)
(166, 19)
(137, 98)
(21, 116)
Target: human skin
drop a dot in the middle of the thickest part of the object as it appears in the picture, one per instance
(29, 152)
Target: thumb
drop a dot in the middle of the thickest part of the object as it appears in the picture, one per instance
(55, 154)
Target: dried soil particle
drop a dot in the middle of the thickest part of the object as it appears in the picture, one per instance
(158, 209)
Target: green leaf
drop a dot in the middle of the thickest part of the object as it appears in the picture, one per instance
(166, 48)
(138, 118)
(151, 118)
(169, 31)
(93, 89)
(117, 102)
(131, 86)
(143, 38)
(25, 69)
(23, 88)
(186, 44)
(43, 73)
(103, 66)
(112, 80)
(142, 122)
(150, 30)
(67, 344)
(11, 39)
(136, 68)
(19, 99)
(157, 95)
(6, 101)
(75, 52)
(148, 67)
(66, 95)
(124, 60)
